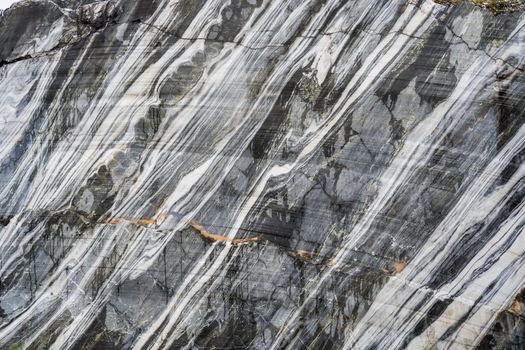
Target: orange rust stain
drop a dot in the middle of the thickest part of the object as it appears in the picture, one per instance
(399, 266)
(142, 221)
(312, 257)
(112, 221)
(145, 221)
(197, 227)
(515, 307)
(137, 221)
(304, 254)
(221, 238)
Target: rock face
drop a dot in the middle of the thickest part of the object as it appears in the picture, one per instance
(266, 174)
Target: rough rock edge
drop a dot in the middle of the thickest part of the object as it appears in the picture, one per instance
(494, 6)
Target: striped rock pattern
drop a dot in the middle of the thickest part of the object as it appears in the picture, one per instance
(266, 174)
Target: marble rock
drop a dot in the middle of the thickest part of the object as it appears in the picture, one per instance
(262, 174)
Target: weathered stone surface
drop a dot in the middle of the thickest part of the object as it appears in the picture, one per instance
(319, 174)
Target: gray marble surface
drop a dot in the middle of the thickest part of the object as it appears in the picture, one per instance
(262, 174)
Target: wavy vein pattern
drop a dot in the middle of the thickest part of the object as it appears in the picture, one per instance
(261, 174)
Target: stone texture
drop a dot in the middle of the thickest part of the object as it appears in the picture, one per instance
(318, 174)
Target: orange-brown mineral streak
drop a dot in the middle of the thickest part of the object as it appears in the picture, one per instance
(221, 238)
(399, 266)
